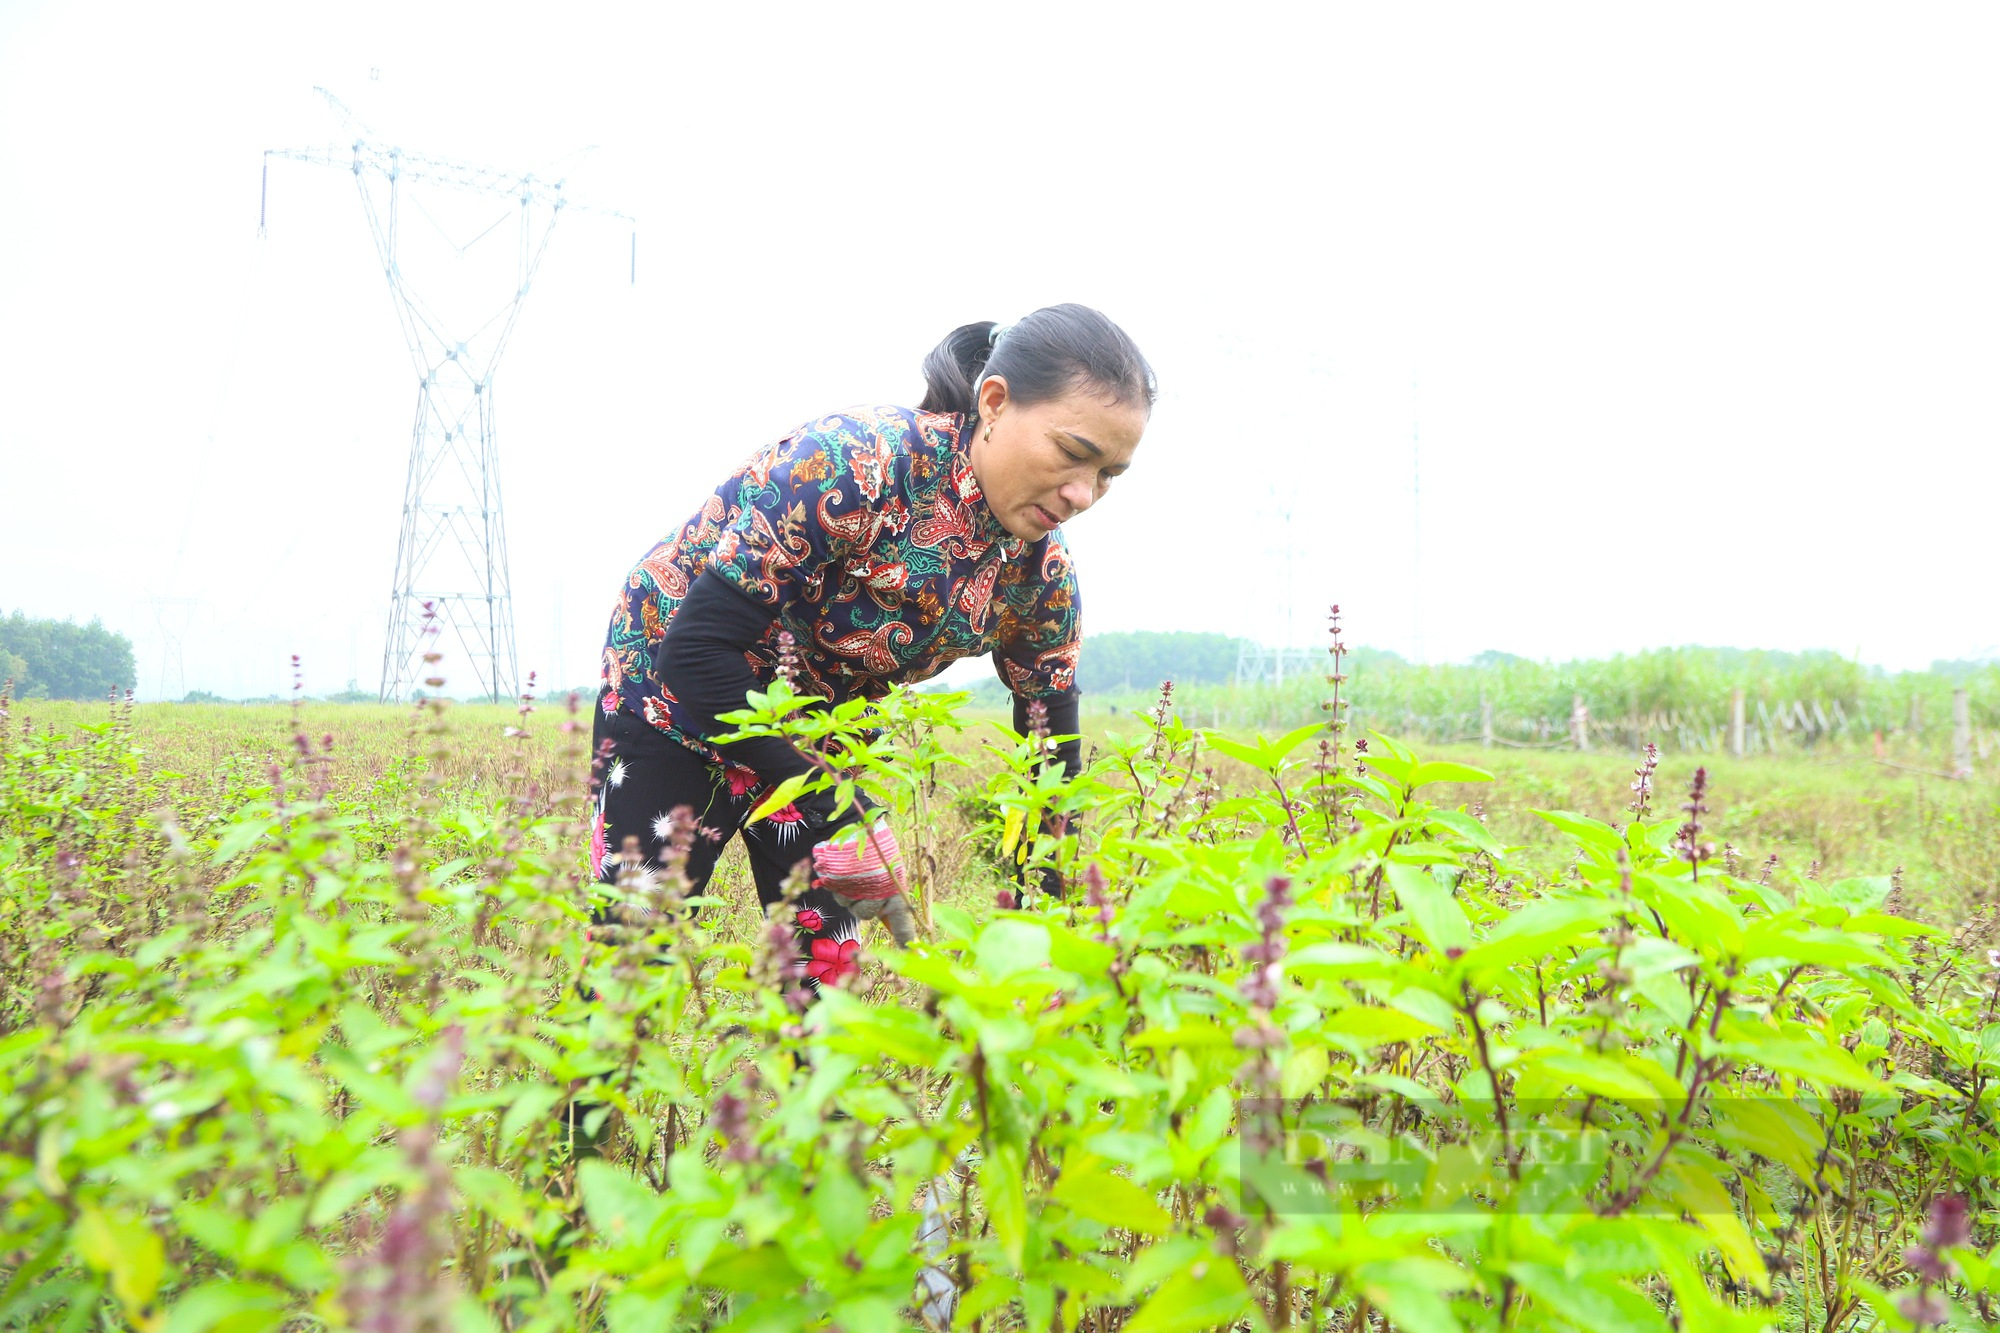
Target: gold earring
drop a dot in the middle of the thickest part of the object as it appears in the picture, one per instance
(989, 431)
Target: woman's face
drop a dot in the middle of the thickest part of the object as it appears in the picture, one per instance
(1045, 463)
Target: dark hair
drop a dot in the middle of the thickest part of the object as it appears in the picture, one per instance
(1043, 356)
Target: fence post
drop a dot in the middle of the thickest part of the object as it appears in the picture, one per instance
(1579, 723)
(1961, 733)
(1736, 722)
(1485, 720)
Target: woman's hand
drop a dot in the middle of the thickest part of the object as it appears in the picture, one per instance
(862, 870)
(866, 878)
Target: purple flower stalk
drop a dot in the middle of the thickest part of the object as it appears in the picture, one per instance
(731, 1121)
(1038, 727)
(1949, 1225)
(399, 1287)
(1260, 987)
(1950, 1222)
(1688, 844)
(1642, 782)
(789, 666)
(1100, 903)
(1093, 895)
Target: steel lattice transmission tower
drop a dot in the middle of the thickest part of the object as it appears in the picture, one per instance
(451, 556)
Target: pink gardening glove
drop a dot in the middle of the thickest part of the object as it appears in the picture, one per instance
(861, 871)
(866, 878)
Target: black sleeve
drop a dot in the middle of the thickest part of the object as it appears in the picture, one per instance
(700, 661)
(1062, 722)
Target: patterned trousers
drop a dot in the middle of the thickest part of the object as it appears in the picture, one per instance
(647, 776)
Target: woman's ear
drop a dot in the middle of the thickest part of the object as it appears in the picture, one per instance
(991, 398)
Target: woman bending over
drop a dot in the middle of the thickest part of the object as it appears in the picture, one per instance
(888, 542)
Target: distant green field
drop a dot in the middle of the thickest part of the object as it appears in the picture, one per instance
(1838, 807)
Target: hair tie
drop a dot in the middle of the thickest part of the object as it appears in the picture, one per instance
(998, 332)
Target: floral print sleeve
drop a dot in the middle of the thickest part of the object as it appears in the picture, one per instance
(807, 502)
(1041, 627)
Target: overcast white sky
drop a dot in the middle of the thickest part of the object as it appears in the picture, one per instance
(1690, 310)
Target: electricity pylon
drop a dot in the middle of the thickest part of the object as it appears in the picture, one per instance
(451, 554)
(173, 616)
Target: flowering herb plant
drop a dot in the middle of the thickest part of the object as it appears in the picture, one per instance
(1294, 1040)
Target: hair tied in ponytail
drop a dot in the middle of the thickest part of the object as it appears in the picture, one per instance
(1041, 356)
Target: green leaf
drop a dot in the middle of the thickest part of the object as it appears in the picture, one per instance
(1336, 958)
(1410, 1291)
(1421, 1002)
(1467, 829)
(1862, 893)
(1376, 1027)
(1396, 769)
(1293, 739)
(1599, 1304)
(226, 1305)
(783, 795)
(1813, 1061)
(1009, 947)
(495, 1193)
(1443, 770)
(130, 1252)
(1792, 943)
(1668, 995)
(1435, 915)
(340, 1191)
(1692, 1185)
(1207, 1294)
(1394, 748)
(1590, 832)
(1303, 1073)
(953, 923)
(243, 834)
(1090, 1190)
(1156, 1263)
(641, 1311)
(838, 1204)
(763, 1270)
(907, 1035)
(1195, 1032)
(1003, 1185)
(1596, 1074)
(1779, 1129)
(1253, 755)
(1538, 930)
(1651, 956)
(1697, 915)
(1881, 923)
(532, 1104)
(1400, 1084)
(623, 1210)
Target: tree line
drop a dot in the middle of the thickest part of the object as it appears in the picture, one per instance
(60, 659)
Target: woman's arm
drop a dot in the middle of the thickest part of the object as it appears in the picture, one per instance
(1042, 634)
(1062, 720)
(700, 662)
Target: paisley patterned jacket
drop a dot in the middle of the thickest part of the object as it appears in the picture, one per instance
(867, 533)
